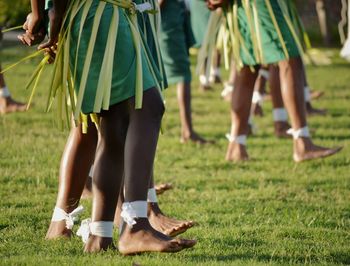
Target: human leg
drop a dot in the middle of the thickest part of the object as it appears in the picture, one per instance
(137, 235)
(240, 111)
(184, 101)
(76, 160)
(280, 115)
(293, 95)
(108, 171)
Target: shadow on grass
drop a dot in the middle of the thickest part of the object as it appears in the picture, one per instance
(336, 257)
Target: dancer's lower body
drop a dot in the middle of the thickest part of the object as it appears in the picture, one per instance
(293, 97)
(122, 150)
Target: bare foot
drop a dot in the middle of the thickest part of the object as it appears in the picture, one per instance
(57, 230)
(194, 138)
(304, 150)
(143, 238)
(205, 88)
(236, 152)
(215, 79)
(8, 105)
(281, 129)
(311, 111)
(97, 244)
(87, 192)
(257, 110)
(316, 94)
(161, 188)
(164, 224)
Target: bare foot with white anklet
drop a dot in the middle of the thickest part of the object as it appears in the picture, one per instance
(141, 237)
(164, 224)
(281, 128)
(98, 244)
(236, 152)
(304, 149)
(57, 230)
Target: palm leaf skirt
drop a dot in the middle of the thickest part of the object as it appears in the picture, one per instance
(102, 58)
(258, 32)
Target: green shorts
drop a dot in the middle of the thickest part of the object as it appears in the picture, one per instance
(272, 47)
(176, 38)
(199, 20)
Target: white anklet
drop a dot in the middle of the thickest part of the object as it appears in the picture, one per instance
(299, 133)
(133, 210)
(152, 195)
(307, 94)
(228, 88)
(204, 80)
(100, 228)
(264, 73)
(214, 72)
(280, 115)
(70, 218)
(241, 139)
(258, 98)
(4, 92)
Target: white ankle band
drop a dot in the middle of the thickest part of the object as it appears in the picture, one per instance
(257, 98)
(214, 72)
(228, 88)
(4, 92)
(280, 115)
(152, 195)
(299, 133)
(264, 73)
(307, 94)
(132, 210)
(204, 80)
(100, 228)
(91, 173)
(70, 218)
(241, 139)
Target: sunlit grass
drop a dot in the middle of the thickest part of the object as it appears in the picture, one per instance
(266, 211)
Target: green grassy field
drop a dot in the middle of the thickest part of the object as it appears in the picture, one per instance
(266, 211)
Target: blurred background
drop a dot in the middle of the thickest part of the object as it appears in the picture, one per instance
(321, 18)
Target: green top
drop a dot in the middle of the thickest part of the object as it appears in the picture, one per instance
(199, 20)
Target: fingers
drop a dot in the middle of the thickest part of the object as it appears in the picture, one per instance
(47, 45)
(26, 39)
(31, 39)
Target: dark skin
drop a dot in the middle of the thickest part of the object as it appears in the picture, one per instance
(281, 127)
(292, 85)
(119, 132)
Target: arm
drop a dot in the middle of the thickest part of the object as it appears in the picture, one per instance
(35, 31)
(38, 8)
(56, 15)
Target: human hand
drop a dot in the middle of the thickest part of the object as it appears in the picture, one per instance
(35, 31)
(55, 27)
